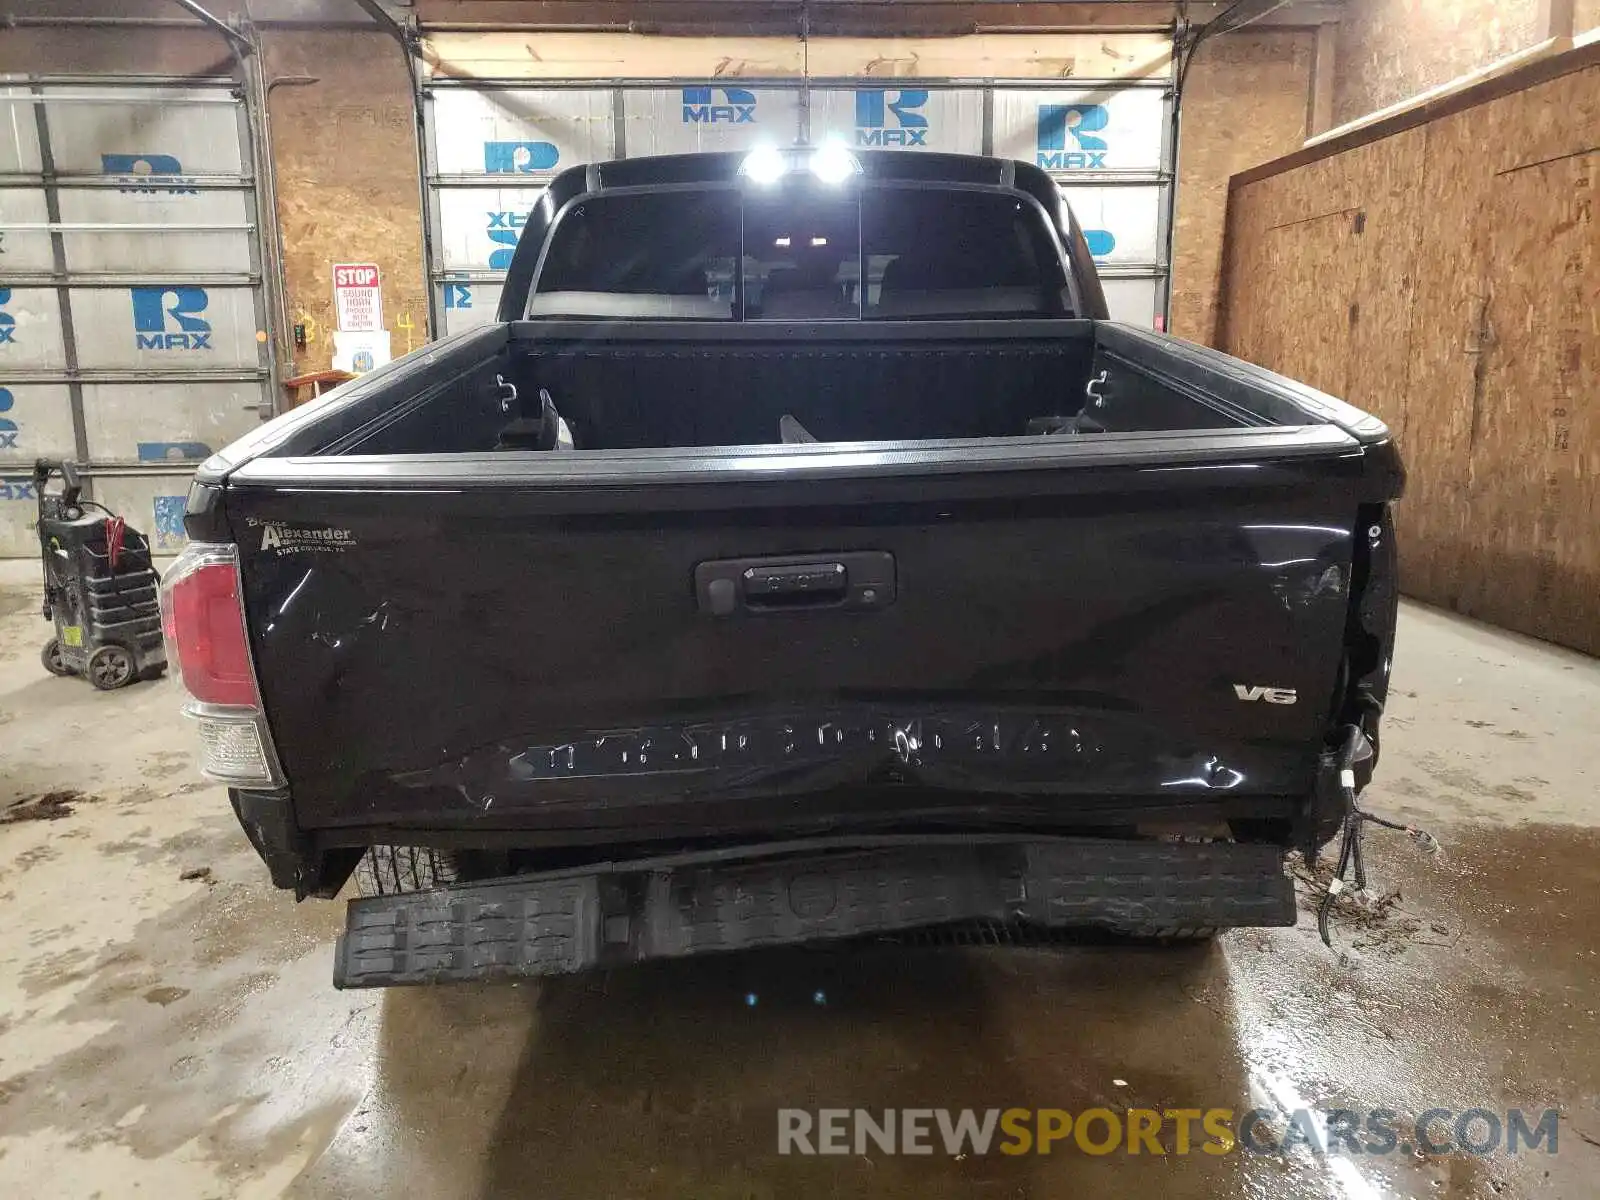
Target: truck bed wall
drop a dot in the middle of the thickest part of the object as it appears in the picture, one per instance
(625, 395)
(638, 385)
(619, 388)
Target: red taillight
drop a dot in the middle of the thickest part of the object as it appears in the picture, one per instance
(203, 620)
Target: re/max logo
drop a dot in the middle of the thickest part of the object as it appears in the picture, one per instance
(8, 323)
(873, 109)
(519, 158)
(1086, 151)
(148, 174)
(8, 427)
(738, 106)
(504, 229)
(164, 318)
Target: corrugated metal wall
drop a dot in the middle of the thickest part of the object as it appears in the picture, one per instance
(131, 302)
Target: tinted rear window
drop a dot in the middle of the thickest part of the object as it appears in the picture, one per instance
(800, 254)
(680, 247)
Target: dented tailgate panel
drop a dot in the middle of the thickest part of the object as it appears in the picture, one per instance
(488, 659)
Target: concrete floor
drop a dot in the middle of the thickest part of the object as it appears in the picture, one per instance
(182, 1039)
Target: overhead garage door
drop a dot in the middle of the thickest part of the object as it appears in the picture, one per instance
(130, 293)
(490, 147)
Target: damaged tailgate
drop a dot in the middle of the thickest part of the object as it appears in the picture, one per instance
(478, 643)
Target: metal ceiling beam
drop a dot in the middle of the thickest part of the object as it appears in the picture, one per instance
(240, 43)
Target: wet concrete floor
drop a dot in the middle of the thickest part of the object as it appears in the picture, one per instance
(181, 1038)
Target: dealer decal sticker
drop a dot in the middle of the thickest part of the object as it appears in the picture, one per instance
(280, 538)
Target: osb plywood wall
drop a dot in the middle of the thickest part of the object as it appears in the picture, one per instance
(571, 55)
(1447, 278)
(1245, 102)
(69, 51)
(1391, 49)
(345, 152)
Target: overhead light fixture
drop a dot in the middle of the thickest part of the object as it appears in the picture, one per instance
(783, 241)
(764, 164)
(833, 163)
(819, 241)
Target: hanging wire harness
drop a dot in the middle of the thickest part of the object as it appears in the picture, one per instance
(1350, 842)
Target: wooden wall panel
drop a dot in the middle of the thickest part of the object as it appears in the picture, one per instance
(1564, 118)
(1387, 176)
(1245, 102)
(1334, 238)
(52, 51)
(1315, 261)
(995, 55)
(1536, 430)
(1439, 380)
(1475, 333)
(1245, 323)
(345, 152)
(643, 56)
(1392, 49)
(749, 18)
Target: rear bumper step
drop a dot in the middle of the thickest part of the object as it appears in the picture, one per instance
(563, 922)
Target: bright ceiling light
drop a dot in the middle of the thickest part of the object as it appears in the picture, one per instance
(764, 164)
(832, 163)
(782, 241)
(819, 241)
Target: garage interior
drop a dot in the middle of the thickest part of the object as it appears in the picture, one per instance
(1392, 201)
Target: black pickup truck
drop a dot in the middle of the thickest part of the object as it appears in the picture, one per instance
(801, 555)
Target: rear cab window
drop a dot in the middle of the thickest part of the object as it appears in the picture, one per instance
(728, 254)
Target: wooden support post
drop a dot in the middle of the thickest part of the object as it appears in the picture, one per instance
(1554, 19)
(1320, 117)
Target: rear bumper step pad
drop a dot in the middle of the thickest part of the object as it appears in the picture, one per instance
(563, 922)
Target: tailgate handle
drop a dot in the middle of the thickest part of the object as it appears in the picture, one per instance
(859, 579)
(797, 584)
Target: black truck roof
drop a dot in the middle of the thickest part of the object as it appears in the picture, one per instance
(900, 167)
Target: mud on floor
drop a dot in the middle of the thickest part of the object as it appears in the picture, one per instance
(51, 806)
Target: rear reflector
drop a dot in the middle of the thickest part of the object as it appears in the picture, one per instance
(234, 749)
(202, 616)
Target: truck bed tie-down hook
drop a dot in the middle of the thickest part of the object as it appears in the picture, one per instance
(1092, 389)
(508, 393)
